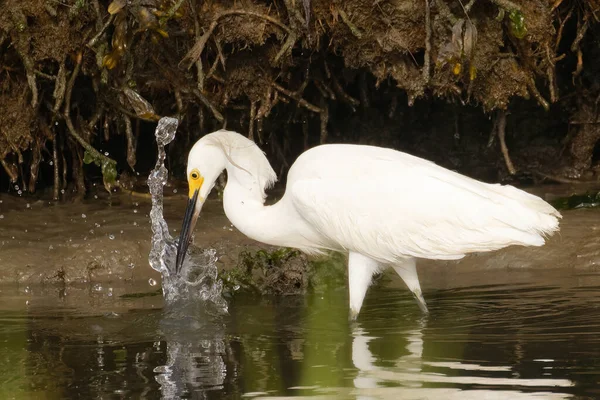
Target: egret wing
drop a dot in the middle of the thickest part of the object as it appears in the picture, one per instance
(387, 212)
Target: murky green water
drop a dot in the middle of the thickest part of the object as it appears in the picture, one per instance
(538, 336)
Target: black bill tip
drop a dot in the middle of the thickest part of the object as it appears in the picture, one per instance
(187, 228)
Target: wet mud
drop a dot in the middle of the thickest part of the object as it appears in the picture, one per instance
(108, 241)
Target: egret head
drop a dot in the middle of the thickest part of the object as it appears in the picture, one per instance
(246, 165)
(205, 164)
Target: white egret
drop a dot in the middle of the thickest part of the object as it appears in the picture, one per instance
(383, 207)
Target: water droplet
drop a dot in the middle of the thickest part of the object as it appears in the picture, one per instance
(111, 236)
(135, 223)
(16, 187)
(51, 163)
(20, 192)
(27, 290)
(51, 247)
(62, 191)
(135, 211)
(151, 282)
(121, 230)
(1, 216)
(97, 225)
(97, 287)
(174, 190)
(27, 302)
(236, 287)
(106, 153)
(136, 204)
(95, 196)
(131, 265)
(110, 292)
(28, 205)
(92, 231)
(83, 216)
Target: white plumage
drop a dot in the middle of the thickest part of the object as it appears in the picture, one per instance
(383, 207)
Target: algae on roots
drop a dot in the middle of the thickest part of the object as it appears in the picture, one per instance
(279, 271)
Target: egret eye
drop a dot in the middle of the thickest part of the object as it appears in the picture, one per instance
(195, 175)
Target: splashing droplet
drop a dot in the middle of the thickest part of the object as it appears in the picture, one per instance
(111, 236)
(97, 287)
(198, 278)
(151, 282)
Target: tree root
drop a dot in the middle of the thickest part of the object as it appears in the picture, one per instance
(536, 94)
(36, 156)
(324, 121)
(561, 28)
(31, 79)
(297, 97)
(252, 118)
(216, 113)
(92, 42)
(131, 157)
(196, 51)
(12, 173)
(427, 57)
(351, 101)
(501, 136)
(355, 31)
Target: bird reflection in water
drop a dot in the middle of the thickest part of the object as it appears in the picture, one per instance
(195, 352)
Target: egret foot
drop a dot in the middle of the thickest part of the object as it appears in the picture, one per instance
(407, 269)
(420, 301)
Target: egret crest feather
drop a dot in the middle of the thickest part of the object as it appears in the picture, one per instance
(245, 155)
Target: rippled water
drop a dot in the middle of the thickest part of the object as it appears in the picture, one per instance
(536, 338)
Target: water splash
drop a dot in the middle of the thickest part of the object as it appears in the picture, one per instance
(198, 278)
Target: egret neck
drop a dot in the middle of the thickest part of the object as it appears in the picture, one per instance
(276, 225)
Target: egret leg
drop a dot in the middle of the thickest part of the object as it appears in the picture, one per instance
(407, 269)
(360, 273)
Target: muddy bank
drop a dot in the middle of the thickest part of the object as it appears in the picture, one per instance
(108, 241)
(100, 240)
